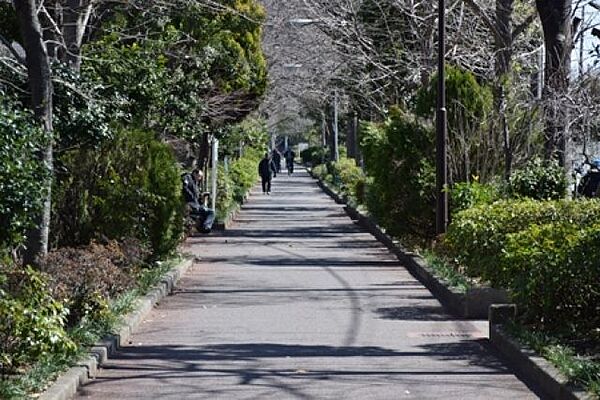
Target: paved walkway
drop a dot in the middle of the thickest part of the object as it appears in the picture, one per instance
(297, 302)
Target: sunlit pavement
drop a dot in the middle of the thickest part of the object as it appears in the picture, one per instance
(297, 302)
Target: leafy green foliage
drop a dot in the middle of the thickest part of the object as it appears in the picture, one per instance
(21, 173)
(465, 195)
(348, 178)
(244, 173)
(198, 67)
(477, 236)
(9, 24)
(544, 252)
(468, 107)
(399, 158)
(131, 187)
(541, 180)
(249, 135)
(313, 155)
(225, 192)
(81, 117)
(553, 271)
(31, 321)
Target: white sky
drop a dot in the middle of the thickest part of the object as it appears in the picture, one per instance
(592, 19)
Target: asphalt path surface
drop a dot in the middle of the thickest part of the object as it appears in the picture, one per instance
(298, 302)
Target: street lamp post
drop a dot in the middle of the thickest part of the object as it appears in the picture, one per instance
(335, 151)
(441, 128)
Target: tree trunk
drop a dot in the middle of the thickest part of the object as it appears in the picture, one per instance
(76, 15)
(504, 52)
(556, 23)
(40, 83)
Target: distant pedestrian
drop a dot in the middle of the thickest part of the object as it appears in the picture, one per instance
(290, 156)
(276, 160)
(265, 170)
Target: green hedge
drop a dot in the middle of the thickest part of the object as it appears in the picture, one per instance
(399, 157)
(244, 173)
(314, 155)
(538, 179)
(540, 250)
(554, 272)
(346, 177)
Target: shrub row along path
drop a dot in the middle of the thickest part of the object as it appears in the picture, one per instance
(297, 302)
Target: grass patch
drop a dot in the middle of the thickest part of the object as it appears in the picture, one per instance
(446, 272)
(582, 370)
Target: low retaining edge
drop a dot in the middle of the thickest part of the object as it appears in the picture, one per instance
(66, 386)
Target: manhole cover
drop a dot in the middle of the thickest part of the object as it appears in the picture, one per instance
(453, 334)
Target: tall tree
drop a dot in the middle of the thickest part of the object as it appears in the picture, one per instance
(558, 39)
(40, 84)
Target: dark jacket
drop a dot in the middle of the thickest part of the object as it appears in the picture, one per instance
(265, 168)
(190, 188)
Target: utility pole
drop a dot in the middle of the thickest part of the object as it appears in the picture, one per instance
(441, 128)
(335, 149)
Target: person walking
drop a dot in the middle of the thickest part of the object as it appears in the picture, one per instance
(290, 155)
(265, 170)
(277, 160)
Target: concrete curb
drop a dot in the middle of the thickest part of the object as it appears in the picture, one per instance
(532, 367)
(473, 304)
(67, 384)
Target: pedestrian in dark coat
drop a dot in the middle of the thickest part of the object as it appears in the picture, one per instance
(265, 170)
(277, 160)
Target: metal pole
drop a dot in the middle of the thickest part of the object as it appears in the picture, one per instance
(215, 169)
(336, 150)
(441, 137)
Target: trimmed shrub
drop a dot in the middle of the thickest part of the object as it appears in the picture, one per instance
(244, 173)
(130, 188)
(466, 195)
(32, 323)
(399, 156)
(313, 155)
(477, 237)
(225, 192)
(347, 177)
(540, 180)
(468, 110)
(554, 272)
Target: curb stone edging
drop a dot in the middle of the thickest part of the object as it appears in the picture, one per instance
(473, 304)
(534, 368)
(66, 386)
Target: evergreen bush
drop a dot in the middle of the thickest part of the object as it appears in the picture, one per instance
(130, 188)
(21, 172)
(399, 156)
(541, 180)
(477, 237)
